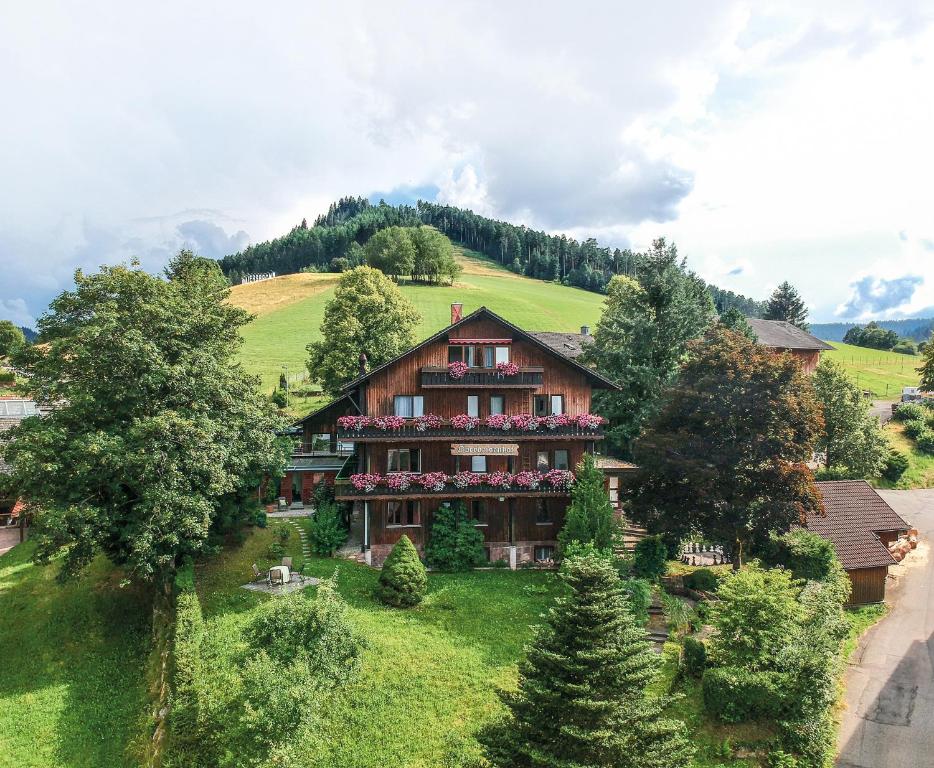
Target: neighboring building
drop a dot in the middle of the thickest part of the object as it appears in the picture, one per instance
(860, 525)
(12, 411)
(428, 428)
(782, 336)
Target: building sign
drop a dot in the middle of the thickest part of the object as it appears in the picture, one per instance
(485, 449)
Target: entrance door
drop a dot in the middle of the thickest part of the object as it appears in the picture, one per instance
(296, 488)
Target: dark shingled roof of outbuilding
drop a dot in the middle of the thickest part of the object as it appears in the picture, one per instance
(853, 514)
(781, 335)
(571, 345)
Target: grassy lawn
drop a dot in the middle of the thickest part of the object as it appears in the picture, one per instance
(72, 687)
(290, 310)
(920, 472)
(885, 373)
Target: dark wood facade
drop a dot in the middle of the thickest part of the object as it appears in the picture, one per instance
(518, 524)
(868, 585)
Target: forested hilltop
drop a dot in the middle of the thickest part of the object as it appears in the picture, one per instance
(351, 221)
(919, 329)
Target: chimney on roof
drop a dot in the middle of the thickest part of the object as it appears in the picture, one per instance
(585, 330)
(457, 313)
(362, 360)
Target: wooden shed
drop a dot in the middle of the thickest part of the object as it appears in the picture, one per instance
(782, 336)
(860, 525)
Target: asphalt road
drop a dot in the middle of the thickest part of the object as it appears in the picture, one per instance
(882, 409)
(888, 720)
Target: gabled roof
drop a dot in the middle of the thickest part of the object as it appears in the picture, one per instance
(853, 515)
(335, 408)
(569, 345)
(595, 378)
(779, 334)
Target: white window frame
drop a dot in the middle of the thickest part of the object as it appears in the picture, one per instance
(478, 463)
(501, 355)
(473, 406)
(416, 406)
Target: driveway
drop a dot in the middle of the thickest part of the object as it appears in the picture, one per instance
(888, 720)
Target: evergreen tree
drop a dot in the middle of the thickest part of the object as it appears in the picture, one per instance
(852, 437)
(582, 697)
(736, 322)
(926, 369)
(368, 314)
(786, 304)
(589, 517)
(642, 337)
(403, 581)
(455, 543)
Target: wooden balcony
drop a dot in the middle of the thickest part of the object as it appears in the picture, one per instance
(482, 378)
(345, 491)
(447, 433)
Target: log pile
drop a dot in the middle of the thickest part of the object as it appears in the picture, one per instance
(904, 544)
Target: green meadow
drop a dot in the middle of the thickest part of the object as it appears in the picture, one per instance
(883, 373)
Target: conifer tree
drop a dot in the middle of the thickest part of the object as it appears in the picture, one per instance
(736, 322)
(582, 698)
(455, 543)
(786, 304)
(403, 581)
(589, 518)
(927, 367)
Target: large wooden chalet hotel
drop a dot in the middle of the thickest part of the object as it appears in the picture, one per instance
(482, 412)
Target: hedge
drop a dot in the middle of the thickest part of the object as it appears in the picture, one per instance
(734, 695)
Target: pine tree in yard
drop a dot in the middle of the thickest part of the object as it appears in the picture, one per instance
(582, 699)
(927, 367)
(455, 543)
(736, 321)
(589, 518)
(786, 304)
(403, 581)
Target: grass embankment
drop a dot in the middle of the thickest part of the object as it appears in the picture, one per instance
(883, 373)
(290, 310)
(920, 472)
(72, 684)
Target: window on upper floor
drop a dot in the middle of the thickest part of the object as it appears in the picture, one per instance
(409, 406)
(502, 355)
(562, 459)
(542, 463)
(488, 357)
(540, 405)
(497, 404)
(557, 404)
(455, 353)
(403, 512)
(478, 463)
(473, 405)
(403, 460)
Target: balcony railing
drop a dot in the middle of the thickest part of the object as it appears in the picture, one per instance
(317, 449)
(410, 432)
(526, 378)
(464, 485)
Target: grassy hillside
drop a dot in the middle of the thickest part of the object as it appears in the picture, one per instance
(72, 689)
(885, 373)
(290, 310)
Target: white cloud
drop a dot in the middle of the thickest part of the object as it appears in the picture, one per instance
(16, 311)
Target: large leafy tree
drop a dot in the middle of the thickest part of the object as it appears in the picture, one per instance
(726, 457)
(582, 698)
(589, 518)
(852, 438)
(11, 338)
(642, 336)
(156, 434)
(434, 256)
(786, 304)
(368, 315)
(391, 251)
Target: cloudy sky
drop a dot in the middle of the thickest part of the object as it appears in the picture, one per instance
(770, 141)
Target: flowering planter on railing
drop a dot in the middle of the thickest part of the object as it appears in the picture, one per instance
(584, 424)
(553, 481)
(457, 370)
(458, 374)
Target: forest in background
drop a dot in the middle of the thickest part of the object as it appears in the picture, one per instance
(534, 253)
(918, 329)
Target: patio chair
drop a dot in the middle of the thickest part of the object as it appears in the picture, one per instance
(258, 575)
(287, 561)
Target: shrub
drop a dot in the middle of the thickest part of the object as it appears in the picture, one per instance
(187, 667)
(926, 441)
(736, 694)
(836, 473)
(915, 427)
(805, 554)
(319, 628)
(693, 657)
(780, 759)
(650, 558)
(403, 581)
(906, 347)
(259, 519)
(7, 377)
(639, 595)
(455, 543)
(279, 399)
(326, 531)
(703, 580)
(895, 466)
(908, 412)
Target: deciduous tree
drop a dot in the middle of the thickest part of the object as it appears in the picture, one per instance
(156, 435)
(369, 315)
(11, 338)
(726, 457)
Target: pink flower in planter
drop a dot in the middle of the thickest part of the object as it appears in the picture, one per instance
(559, 479)
(528, 480)
(464, 480)
(588, 420)
(499, 421)
(457, 370)
(355, 423)
(463, 421)
(526, 422)
(507, 369)
(500, 479)
(400, 481)
(555, 421)
(432, 481)
(387, 423)
(365, 481)
(426, 422)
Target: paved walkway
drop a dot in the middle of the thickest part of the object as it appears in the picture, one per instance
(888, 721)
